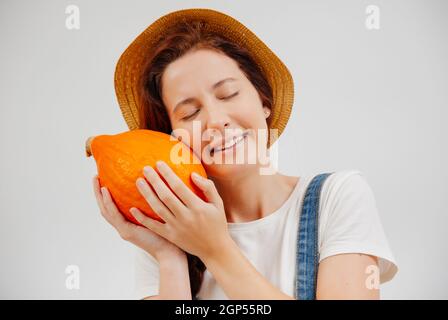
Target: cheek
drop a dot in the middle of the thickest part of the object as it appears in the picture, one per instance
(251, 117)
(186, 136)
(251, 109)
(195, 143)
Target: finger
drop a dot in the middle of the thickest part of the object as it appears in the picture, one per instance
(113, 215)
(151, 224)
(163, 192)
(101, 203)
(98, 195)
(154, 202)
(208, 188)
(177, 185)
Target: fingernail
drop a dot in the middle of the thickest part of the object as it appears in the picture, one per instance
(159, 164)
(135, 213)
(141, 182)
(197, 176)
(103, 192)
(148, 170)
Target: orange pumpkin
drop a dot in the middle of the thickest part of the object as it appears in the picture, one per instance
(120, 160)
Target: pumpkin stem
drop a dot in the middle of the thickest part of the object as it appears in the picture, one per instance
(88, 143)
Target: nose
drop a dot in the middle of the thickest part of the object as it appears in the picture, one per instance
(217, 119)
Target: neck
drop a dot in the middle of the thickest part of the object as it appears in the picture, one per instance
(251, 196)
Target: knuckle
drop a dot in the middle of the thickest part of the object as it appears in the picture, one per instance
(164, 214)
(157, 208)
(187, 217)
(103, 212)
(209, 183)
(176, 185)
(107, 203)
(110, 208)
(196, 207)
(126, 235)
(165, 197)
(149, 197)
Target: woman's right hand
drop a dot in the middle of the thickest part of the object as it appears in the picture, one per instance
(142, 237)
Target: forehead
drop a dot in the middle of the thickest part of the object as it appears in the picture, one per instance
(198, 68)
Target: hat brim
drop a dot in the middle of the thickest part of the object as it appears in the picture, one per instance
(129, 65)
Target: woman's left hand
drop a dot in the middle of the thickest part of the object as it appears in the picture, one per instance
(196, 226)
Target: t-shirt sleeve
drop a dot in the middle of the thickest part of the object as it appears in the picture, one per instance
(350, 223)
(146, 275)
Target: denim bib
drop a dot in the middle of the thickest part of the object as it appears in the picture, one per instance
(307, 255)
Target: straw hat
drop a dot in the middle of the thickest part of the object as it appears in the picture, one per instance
(129, 65)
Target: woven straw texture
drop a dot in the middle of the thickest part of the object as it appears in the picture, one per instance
(129, 65)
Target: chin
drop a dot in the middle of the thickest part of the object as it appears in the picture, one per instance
(229, 171)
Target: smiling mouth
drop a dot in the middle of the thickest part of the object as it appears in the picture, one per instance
(229, 145)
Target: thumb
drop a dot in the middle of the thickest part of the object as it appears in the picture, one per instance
(208, 188)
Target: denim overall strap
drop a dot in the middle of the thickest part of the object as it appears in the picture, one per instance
(307, 256)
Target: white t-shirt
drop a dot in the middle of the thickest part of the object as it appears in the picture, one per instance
(348, 223)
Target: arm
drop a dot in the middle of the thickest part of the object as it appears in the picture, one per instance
(197, 226)
(239, 278)
(339, 277)
(173, 264)
(174, 278)
(346, 276)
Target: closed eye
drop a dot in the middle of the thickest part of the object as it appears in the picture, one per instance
(197, 110)
(191, 115)
(231, 96)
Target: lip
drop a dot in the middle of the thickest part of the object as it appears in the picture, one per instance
(244, 135)
(222, 143)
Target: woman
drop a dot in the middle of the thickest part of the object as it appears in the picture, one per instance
(202, 68)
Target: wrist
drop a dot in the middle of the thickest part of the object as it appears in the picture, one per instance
(170, 256)
(226, 248)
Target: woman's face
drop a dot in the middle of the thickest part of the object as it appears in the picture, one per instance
(211, 101)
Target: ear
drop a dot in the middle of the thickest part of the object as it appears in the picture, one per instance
(267, 112)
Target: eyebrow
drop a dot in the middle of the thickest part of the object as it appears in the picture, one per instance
(191, 99)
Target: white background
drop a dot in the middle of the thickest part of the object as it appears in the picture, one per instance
(372, 100)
